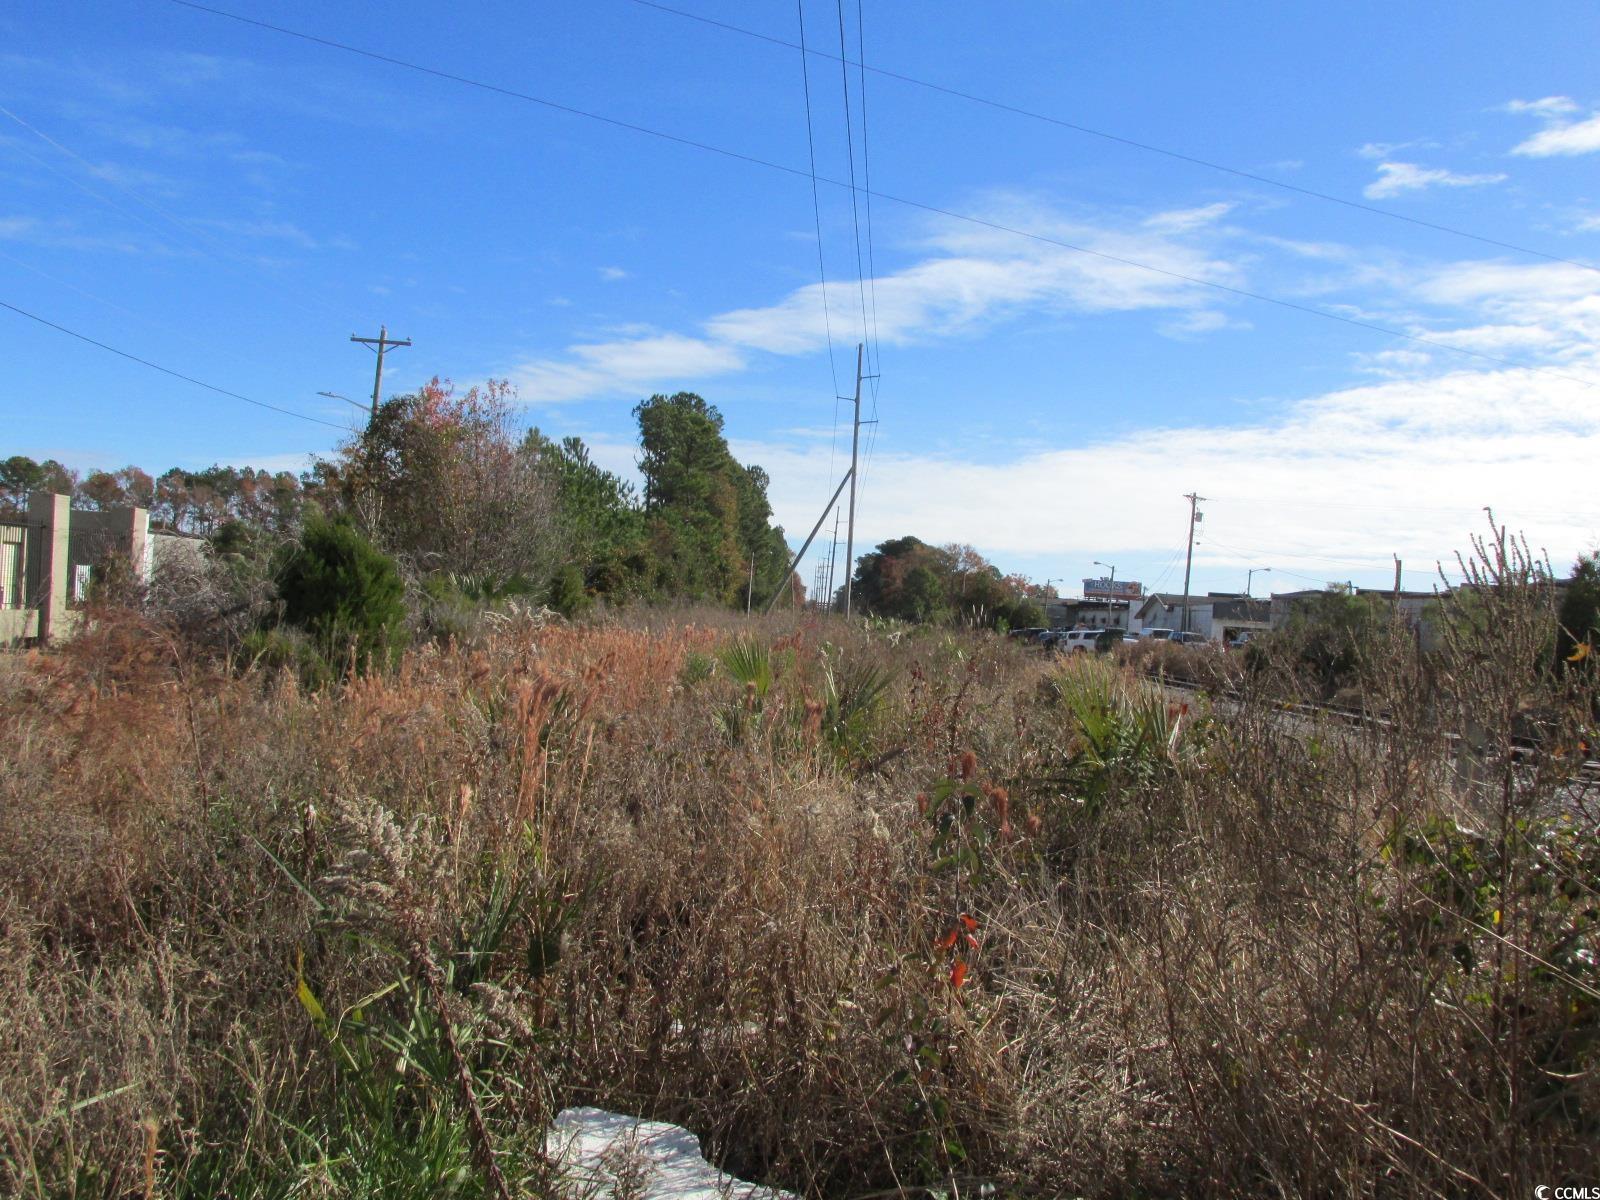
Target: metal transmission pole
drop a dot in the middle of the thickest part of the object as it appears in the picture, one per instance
(1194, 515)
(850, 478)
(380, 343)
(833, 555)
(850, 534)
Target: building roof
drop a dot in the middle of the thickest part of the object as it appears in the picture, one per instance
(1238, 608)
(1175, 600)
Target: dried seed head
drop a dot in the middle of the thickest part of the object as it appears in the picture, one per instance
(969, 766)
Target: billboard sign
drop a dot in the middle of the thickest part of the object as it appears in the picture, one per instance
(1112, 589)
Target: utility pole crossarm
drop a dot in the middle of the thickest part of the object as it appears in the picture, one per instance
(380, 343)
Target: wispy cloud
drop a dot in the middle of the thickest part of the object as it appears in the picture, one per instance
(1395, 178)
(1550, 106)
(1561, 135)
(612, 274)
(968, 278)
(1184, 219)
(645, 361)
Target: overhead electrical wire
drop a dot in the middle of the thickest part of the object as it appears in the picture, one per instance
(195, 233)
(816, 213)
(866, 180)
(872, 264)
(1148, 147)
(1454, 509)
(754, 160)
(145, 362)
(850, 152)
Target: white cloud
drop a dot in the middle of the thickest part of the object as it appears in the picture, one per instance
(1184, 219)
(1578, 137)
(1589, 223)
(612, 274)
(1416, 458)
(1397, 177)
(648, 361)
(969, 277)
(1383, 149)
(1550, 106)
(1560, 136)
(1198, 322)
(1400, 465)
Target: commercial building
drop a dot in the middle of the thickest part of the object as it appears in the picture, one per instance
(50, 555)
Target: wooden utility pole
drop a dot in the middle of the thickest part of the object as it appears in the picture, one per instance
(1194, 515)
(380, 343)
(750, 588)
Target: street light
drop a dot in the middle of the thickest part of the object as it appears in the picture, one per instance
(346, 399)
(1111, 587)
(1254, 571)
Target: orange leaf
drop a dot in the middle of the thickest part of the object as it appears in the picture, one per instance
(1579, 652)
(958, 974)
(969, 921)
(947, 942)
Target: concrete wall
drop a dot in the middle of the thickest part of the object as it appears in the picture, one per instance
(59, 550)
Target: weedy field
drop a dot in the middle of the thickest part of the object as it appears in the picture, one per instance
(872, 911)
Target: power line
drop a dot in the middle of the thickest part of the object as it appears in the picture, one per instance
(145, 362)
(195, 233)
(850, 150)
(1148, 147)
(816, 213)
(866, 179)
(1316, 559)
(937, 210)
(1452, 509)
(872, 263)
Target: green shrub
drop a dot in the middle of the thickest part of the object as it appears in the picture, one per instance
(567, 595)
(345, 593)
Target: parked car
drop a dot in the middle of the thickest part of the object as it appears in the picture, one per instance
(1240, 642)
(1159, 634)
(1078, 639)
(1189, 639)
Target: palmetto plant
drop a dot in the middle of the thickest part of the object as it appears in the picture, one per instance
(749, 662)
(1124, 732)
(852, 693)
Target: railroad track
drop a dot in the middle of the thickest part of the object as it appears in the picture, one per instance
(1523, 747)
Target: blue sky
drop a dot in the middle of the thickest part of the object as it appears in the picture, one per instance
(233, 203)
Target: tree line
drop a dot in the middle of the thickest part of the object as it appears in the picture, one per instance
(472, 508)
(453, 489)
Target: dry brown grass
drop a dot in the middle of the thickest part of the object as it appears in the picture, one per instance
(1242, 956)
